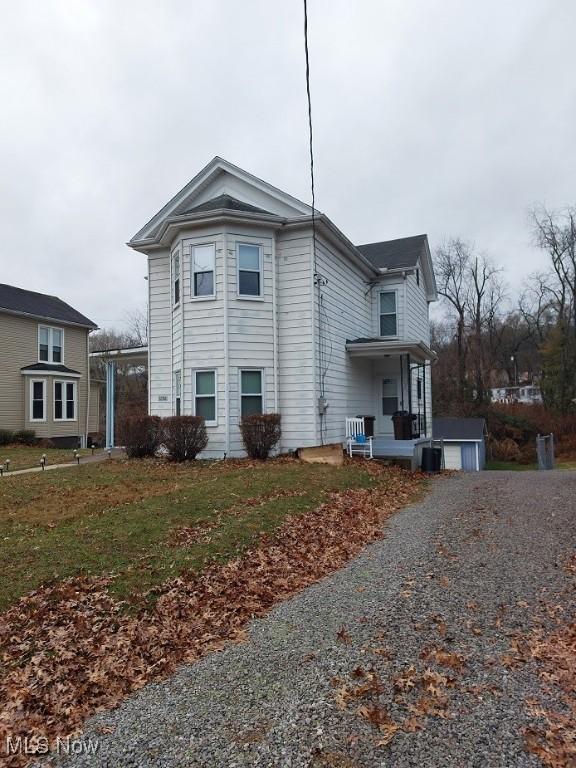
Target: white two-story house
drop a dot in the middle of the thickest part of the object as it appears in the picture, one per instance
(254, 306)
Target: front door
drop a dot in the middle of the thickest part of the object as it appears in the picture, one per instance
(389, 403)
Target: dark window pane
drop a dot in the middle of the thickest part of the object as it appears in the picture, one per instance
(176, 291)
(388, 302)
(249, 283)
(206, 407)
(205, 383)
(43, 352)
(38, 393)
(251, 404)
(38, 409)
(389, 405)
(70, 409)
(56, 354)
(203, 283)
(251, 382)
(387, 325)
(178, 406)
(58, 409)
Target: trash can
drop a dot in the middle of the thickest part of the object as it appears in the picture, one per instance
(368, 424)
(402, 425)
(431, 459)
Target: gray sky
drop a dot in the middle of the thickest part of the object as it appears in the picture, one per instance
(449, 117)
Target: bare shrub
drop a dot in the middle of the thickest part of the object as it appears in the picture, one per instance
(260, 434)
(184, 436)
(141, 435)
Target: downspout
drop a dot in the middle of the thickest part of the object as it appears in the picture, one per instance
(149, 334)
(182, 366)
(87, 390)
(226, 368)
(275, 323)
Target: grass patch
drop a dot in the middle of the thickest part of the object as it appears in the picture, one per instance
(513, 466)
(119, 517)
(26, 456)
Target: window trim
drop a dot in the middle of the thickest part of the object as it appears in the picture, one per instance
(193, 295)
(31, 400)
(176, 278)
(250, 296)
(50, 359)
(387, 314)
(215, 395)
(64, 382)
(262, 372)
(177, 411)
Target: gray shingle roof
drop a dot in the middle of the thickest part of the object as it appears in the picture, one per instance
(394, 254)
(452, 428)
(227, 203)
(40, 305)
(49, 367)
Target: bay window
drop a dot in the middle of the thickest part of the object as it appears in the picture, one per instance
(38, 400)
(65, 401)
(202, 268)
(251, 392)
(249, 270)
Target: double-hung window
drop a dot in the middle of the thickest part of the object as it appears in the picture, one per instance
(65, 401)
(203, 259)
(388, 316)
(178, 393)
(176, 278)
(249, 270)
(38, 400)
(205, 396)
(389, 396)
(50, 344)
(251, 392)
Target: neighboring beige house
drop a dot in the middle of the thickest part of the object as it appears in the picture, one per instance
(44, 368)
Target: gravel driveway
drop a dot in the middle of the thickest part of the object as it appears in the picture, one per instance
(460, 571)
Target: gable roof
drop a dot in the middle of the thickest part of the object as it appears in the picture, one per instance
(451, 428)
(225, 203)
(22, 302)
(395, 254)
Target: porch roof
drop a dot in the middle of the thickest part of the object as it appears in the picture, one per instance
(382, 348)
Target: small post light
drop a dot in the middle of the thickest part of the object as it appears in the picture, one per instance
(93, 447)
(1, 470)
(109, 453)
(7, 465)
(77, 457)
(43, 462)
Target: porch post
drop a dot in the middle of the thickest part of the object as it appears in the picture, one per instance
(110, 398)
(409, 366)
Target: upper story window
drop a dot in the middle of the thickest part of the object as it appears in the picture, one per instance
(388, 316)
(50, 344)
(176, 278)
(203, 259)
(251, 392)
(249, 270)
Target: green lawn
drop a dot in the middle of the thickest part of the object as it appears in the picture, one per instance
(515, 467)
(24, 456)
(121, 516)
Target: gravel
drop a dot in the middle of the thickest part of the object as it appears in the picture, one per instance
(479, 547)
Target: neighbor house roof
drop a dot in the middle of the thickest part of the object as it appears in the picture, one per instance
(395, 254)
(22, 302)
(226, 203)
(54, 367)
(452, 428)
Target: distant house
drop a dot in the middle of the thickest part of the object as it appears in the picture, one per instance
(252, 310)
(44, 370)
(463, 441)
(527, 394)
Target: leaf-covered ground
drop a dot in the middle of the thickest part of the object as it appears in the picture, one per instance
(198, 551)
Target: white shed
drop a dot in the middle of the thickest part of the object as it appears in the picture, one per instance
(463, 442)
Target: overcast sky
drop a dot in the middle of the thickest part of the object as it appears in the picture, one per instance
(450, 117)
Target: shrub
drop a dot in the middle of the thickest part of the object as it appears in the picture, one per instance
(25, 437)
(6, 437)
(184, 436)
(141, 435)
(505, 450)
(260, 434)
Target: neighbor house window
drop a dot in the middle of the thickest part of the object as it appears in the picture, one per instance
(178, 392)
(38, 400)
(64, 401)
(50, 344)
(205, 395)
(388, 320)
(203, 258)
(176, 278)
(389, 396)
(251, 394)
(249, 270)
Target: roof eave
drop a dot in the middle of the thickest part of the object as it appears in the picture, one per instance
(92, 326)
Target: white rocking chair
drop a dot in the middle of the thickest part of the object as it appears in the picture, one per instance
(356, 439)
